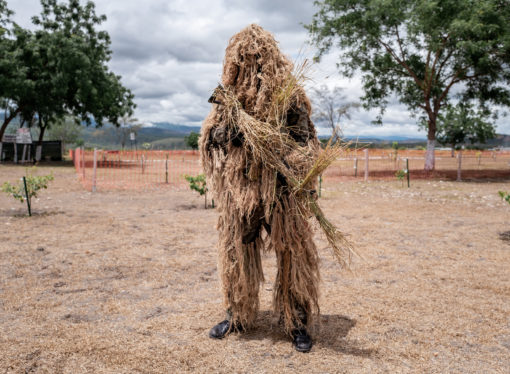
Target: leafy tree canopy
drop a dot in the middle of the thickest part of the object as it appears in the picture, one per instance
(192, 140)
(462, 123)
(419, 49)
(62, 68)
(67, 130)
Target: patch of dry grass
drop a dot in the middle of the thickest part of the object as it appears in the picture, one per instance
(126, 282)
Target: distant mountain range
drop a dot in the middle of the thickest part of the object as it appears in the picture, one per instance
(165, 135)
(160, 135)
(384, 138)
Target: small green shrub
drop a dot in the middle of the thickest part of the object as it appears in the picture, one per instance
(198, 183)
(400, 174)
(505, 196)
(34, 184)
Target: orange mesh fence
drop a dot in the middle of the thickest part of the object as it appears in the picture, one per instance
(384, 163)
(117, 170)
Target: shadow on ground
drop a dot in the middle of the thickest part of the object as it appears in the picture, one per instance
(329, 333)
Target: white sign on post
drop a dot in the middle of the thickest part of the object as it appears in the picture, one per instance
(132, 136)
(23, 136)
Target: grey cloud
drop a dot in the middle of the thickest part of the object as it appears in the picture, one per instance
(170, 53)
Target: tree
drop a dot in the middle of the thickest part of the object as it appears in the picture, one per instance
(5, 13)
(127, 126)
(330, 107)
(63, 68)
(192, 140)
(461, 123)
(419, 50)
(67, 130)
(11, 75)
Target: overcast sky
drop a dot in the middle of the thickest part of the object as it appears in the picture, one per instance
(170, 53)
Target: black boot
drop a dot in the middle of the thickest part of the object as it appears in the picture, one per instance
(301, 340)
(224, 328)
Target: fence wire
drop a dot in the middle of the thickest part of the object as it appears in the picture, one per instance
(144, 170)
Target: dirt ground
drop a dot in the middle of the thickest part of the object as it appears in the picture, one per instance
(125, 282)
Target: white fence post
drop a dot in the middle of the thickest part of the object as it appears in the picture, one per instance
(38, 152)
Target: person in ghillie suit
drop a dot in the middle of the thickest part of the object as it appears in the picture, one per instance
(257, 207)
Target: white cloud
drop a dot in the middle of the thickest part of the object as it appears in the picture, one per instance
(170, 53)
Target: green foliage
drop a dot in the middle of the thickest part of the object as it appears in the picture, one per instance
(418, 50)
(146, 146)
(197, 183)
(5, 13)
(34, 184)
(61, 67)
(505, 196)
(192, 140)
(67, 129)
(461, 123)
(400, 174)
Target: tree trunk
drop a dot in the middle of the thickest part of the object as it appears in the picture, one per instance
(38, 148)
(41, 135)
(453, 151)
(430, 158)
(7, 120)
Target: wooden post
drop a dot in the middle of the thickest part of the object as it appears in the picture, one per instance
(1, 153)
(83, 161)
(355, 166)
(459, 167)
(407, 172)
(166, 169)
(143, 159)
(366, 164)
(94, 188)
(15, 152)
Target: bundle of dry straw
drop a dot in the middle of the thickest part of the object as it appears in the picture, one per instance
(270, 145)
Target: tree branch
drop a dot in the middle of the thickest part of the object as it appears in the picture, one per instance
(402, 62)
(438, 101)
(400, 43)
(441, 66)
